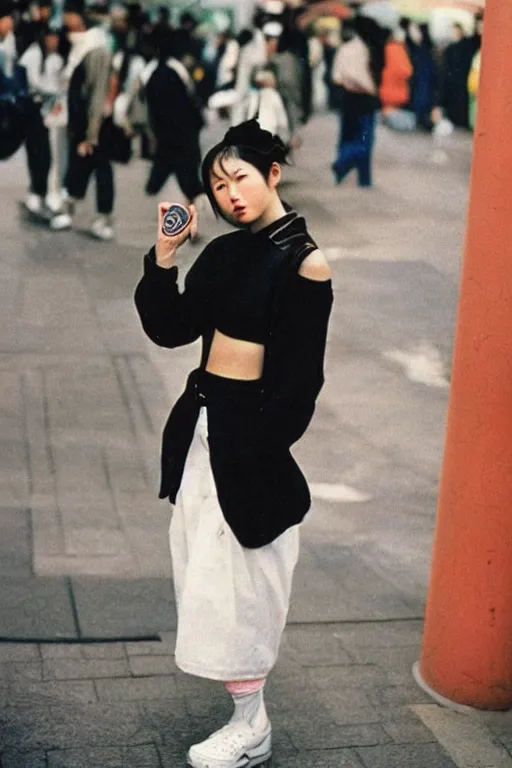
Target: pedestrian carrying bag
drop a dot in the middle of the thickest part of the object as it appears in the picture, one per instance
(351, 68)
(119, 145)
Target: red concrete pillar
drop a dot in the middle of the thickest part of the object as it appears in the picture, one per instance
(467, 645)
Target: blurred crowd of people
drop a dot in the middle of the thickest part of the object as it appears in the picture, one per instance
(87, 85)
(394, 72)
(78, 90)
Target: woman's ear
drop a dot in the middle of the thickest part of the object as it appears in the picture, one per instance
(274, 175)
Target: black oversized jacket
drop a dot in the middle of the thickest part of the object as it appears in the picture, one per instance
(260, 487)
(174, 112)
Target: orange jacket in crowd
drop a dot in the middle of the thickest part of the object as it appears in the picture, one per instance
(394, 89)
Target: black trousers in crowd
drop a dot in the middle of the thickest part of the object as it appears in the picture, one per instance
(80, 170)
(37, 145)
(184, 161)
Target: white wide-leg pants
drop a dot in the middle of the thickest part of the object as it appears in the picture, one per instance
(232, 602)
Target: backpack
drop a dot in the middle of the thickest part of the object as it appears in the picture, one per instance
(15, 106)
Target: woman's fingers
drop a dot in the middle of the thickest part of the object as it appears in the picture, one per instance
(162, 210)
(193, 223)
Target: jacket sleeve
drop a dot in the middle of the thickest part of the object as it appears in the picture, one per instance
(98, 74)
(296, 358)
(31, 61)
(402, 62)
(167, 316)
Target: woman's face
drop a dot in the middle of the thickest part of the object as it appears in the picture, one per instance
(240, 190)
(6, 26)
(51, 42)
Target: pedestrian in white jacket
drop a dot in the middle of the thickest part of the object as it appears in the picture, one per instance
(253, 56)
(43, 67)
(265, 103)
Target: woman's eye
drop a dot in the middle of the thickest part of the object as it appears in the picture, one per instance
(239, 178)
(220, 188)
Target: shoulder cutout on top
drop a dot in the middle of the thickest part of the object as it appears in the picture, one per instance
(315, 267)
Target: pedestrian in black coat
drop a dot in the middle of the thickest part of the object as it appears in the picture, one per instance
(175, 118)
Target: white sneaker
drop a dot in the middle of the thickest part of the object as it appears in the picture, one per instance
(237, 745)
(101, 229)
(54, 202)
(60, 222)
(34, 203)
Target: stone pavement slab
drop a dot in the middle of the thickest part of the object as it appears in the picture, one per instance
(405, 756)
(15, 759)
(123, 608)
(36, 607)
(143, 756)
(468, 740)
(15, 544)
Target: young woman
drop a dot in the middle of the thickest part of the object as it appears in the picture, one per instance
(260, 298)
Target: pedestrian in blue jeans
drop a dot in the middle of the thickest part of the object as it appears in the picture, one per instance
(357, 136)
(358, 70)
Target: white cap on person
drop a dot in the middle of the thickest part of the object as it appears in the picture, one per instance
(272, 29)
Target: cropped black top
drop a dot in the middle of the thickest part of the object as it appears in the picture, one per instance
(243, 274)
(241, 309)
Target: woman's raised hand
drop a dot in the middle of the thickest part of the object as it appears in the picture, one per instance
(167, 245)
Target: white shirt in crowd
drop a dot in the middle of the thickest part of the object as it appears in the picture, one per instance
(44, 78)
(252, 56)
(227, 64)
(8, 54)
(267, 106)
(135, 68)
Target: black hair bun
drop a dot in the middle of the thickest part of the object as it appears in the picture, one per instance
(281, 151)
(252, 136)
(74, 6)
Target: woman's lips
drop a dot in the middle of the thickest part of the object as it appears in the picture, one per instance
(239, 210)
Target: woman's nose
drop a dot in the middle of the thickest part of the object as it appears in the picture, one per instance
(233, 192)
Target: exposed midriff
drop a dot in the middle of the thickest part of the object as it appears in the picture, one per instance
(235, 358)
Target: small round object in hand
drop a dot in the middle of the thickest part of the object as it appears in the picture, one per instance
(176, 219)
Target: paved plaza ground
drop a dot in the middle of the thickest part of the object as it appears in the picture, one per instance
(87, 617)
